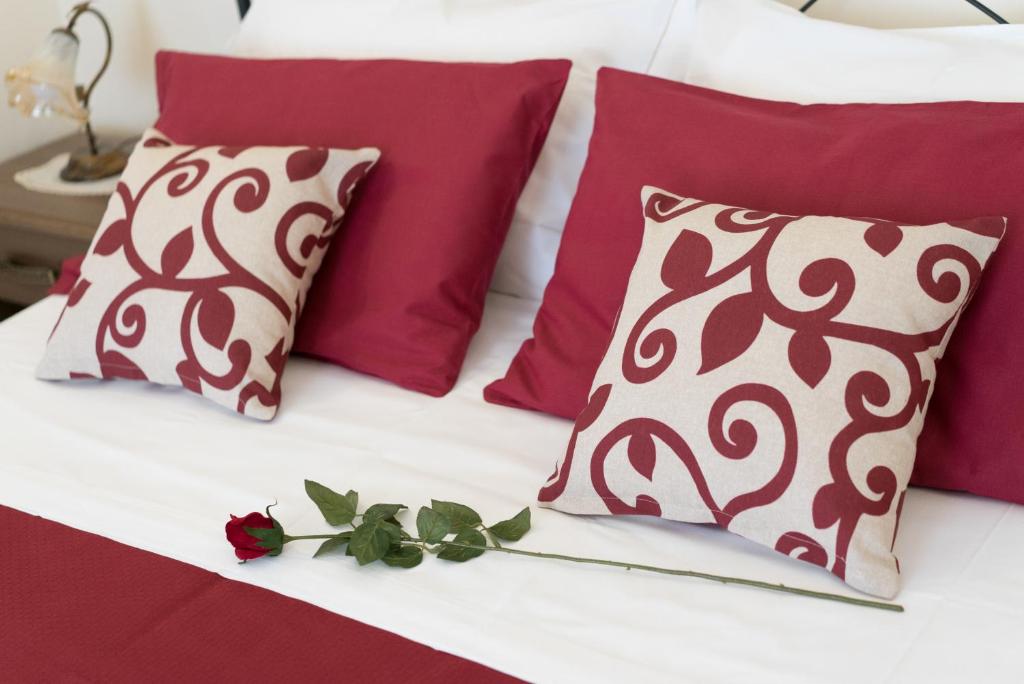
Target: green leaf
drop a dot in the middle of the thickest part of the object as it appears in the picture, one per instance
(460, 554)
(271, 539)
(336, 509)
(403, 556)
(333, 543)
(393, 530)
(398, 532)
(398, 523)
(461, 517)
(513, 529)
(371, 540)
(383, 512)
(432, 526)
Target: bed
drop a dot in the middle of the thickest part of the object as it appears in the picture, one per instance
(147, 480)
(114, 494)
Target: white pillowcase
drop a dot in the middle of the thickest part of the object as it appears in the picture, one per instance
(761, 48)
(592, 33)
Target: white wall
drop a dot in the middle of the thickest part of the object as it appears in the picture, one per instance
(125, 100)
(22, 25)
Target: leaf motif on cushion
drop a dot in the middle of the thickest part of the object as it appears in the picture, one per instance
(642, 454)
(176, 254)
(730, 330)
(684, 270)
(686, 263)
(883, 237)
(113, 238)
(809, 356)
(826, 508)
(216, 318)
(594, 406)
(231, 151)
(304, 164)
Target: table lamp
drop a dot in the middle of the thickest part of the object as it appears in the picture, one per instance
(45, 86)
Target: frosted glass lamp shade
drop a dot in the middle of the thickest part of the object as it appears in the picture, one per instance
(45, 86)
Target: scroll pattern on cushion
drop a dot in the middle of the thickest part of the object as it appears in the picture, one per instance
(201, 266)
(770, 374)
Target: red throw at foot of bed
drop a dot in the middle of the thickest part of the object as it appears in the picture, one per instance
(78, 607)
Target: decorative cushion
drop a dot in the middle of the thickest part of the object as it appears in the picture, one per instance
(200, 268)
(770, 373)
(621, 33)
(403, 287)
(913, 163)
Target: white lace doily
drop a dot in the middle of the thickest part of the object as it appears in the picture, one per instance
(46, 178)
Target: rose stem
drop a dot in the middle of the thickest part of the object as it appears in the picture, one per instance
(880, 605)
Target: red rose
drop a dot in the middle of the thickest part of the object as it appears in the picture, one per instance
(242, 534)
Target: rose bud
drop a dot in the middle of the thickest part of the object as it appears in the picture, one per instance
(255, 535)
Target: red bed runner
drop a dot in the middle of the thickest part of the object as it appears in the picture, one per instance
(78, 607)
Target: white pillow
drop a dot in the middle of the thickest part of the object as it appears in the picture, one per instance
(592, 33)
(761, 48)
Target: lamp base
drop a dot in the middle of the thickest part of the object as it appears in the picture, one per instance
(91, 167)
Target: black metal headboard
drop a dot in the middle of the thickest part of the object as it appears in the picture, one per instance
(977, 4)
(244, 7)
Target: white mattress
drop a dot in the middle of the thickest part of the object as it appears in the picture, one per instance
(160, 469)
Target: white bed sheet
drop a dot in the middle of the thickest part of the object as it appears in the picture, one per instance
(160, 469)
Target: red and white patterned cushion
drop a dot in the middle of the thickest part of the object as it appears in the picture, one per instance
(201, 266)
(770, 374)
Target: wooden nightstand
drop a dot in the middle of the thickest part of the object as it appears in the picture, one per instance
(39, 230)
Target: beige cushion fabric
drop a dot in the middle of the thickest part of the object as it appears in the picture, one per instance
(201, 266)
(770, 374)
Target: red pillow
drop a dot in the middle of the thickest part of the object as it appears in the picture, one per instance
(70, 270)
(402, 288)
(913, 163)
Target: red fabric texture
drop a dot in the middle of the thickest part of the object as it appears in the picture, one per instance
(77, 607)
(912, 163)
(70, 269)
(402, 288)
